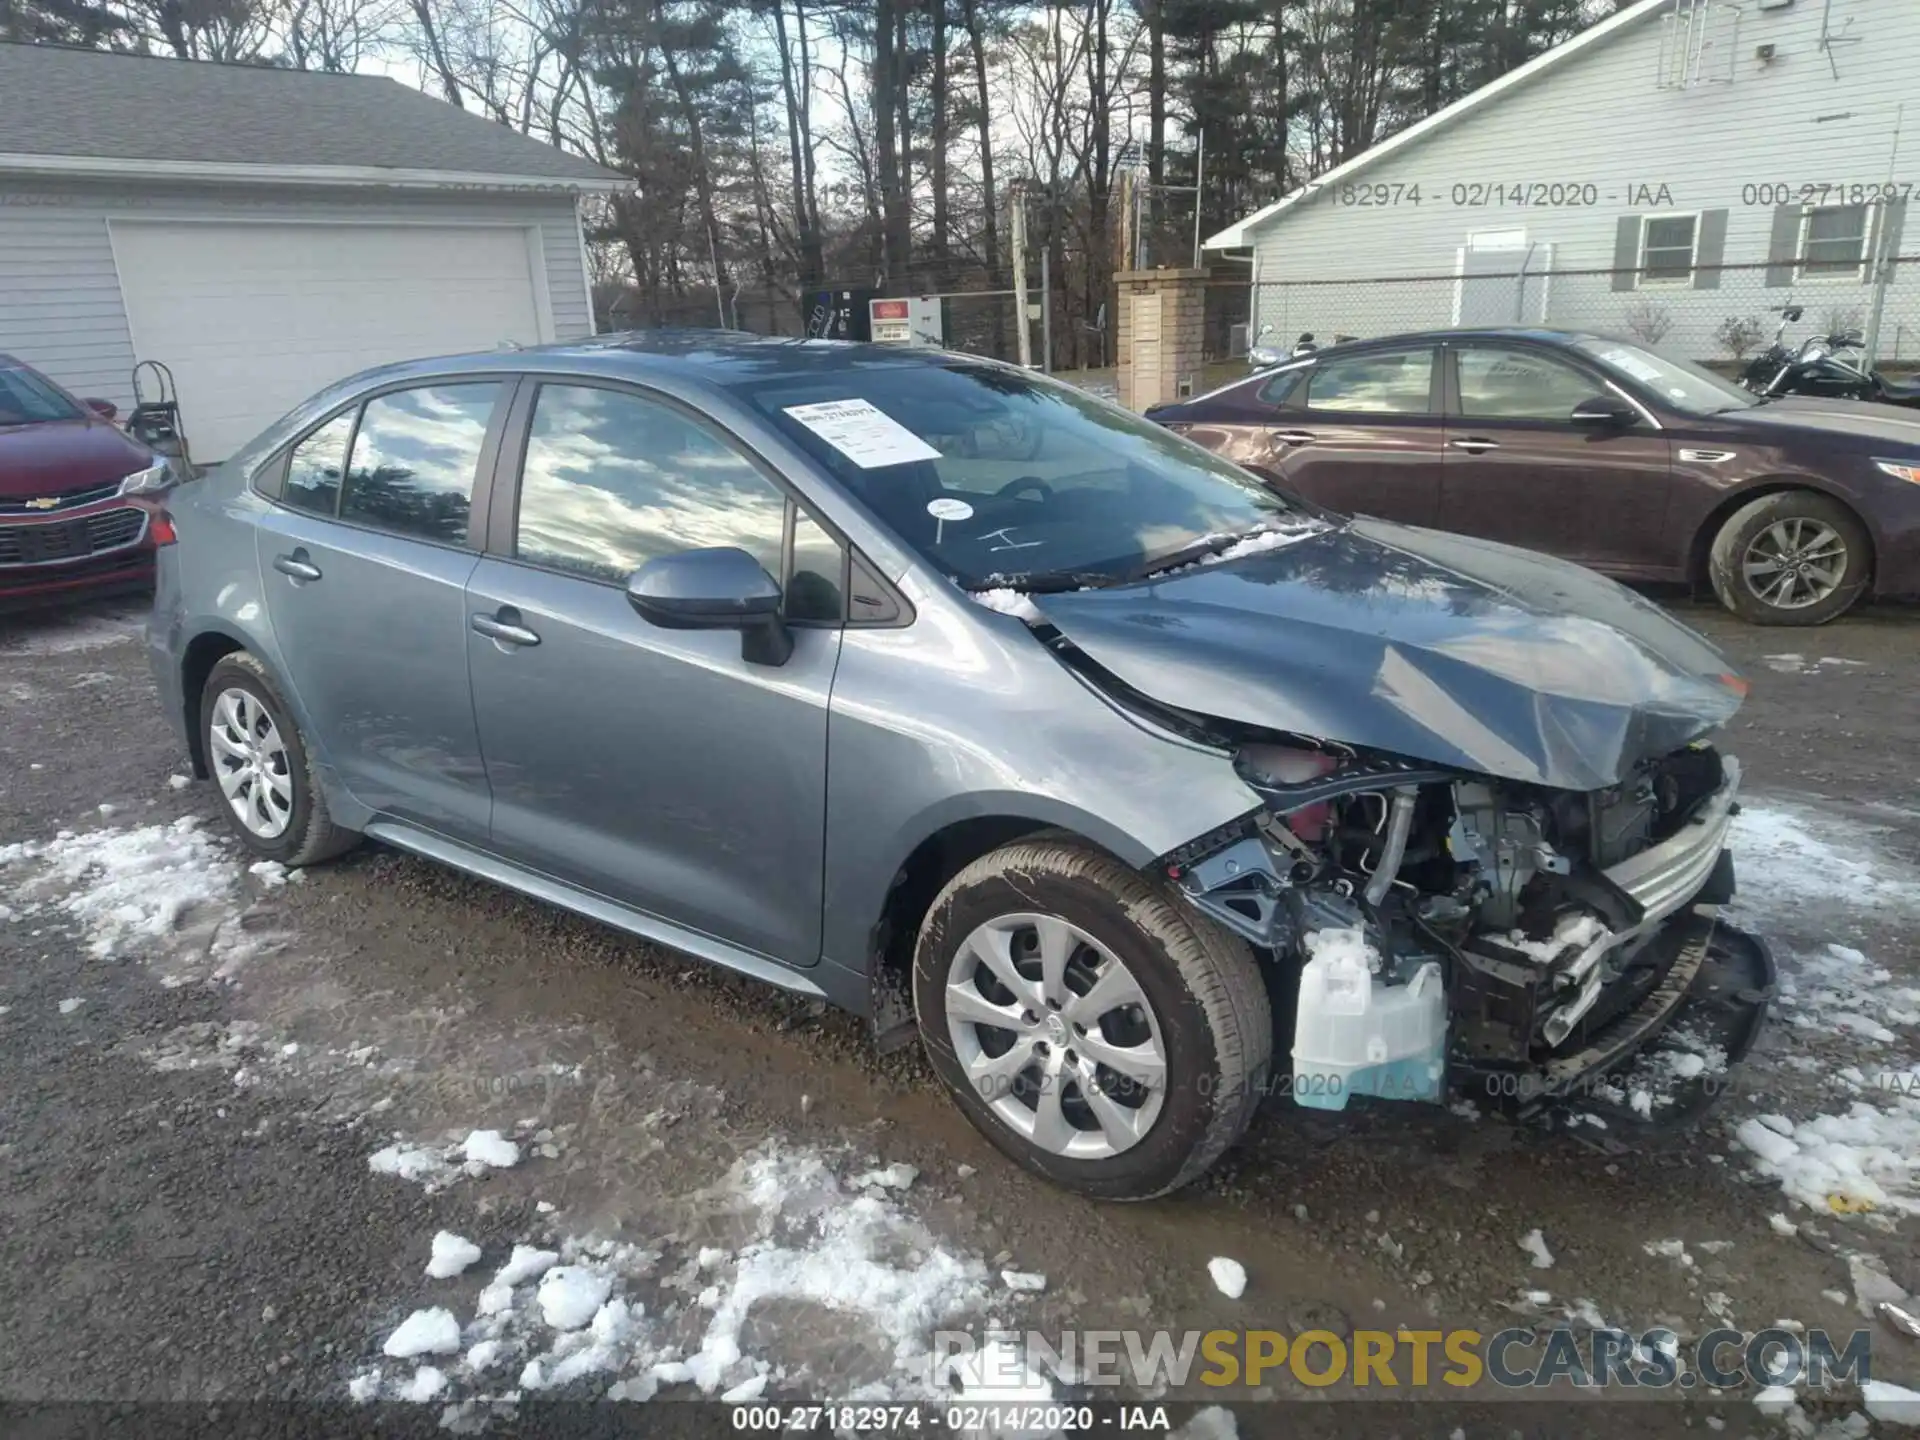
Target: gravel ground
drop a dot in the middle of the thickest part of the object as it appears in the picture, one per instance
(190, 1213)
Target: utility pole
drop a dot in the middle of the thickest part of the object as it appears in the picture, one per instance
(1883, 244)
(1023, 328)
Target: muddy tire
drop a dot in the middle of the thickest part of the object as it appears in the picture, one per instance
(1090, 1024)
(1791, 558)
(260, 765)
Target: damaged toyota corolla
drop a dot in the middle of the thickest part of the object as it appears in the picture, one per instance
(984, 708)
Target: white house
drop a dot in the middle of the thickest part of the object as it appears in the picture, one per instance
(265, 232)
(1679, 166)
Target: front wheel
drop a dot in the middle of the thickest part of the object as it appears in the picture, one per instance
(1790, 558)
(1088, 1022)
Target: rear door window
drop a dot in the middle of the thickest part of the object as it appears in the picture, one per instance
(415, 459)
(316, 465)
(1381, 382)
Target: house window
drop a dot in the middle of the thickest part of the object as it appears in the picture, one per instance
(1833, 242)
(1667, 248)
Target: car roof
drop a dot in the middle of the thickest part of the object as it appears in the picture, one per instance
(1537, 334)
(722, 359)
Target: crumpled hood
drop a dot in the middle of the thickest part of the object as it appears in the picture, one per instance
(1435, 647)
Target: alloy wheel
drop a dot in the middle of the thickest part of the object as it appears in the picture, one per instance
(1056, 1035)
(251, 764)
(1794, 563)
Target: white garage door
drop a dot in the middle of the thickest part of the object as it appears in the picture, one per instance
(254, 318)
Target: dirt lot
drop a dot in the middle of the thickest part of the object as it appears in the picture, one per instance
(235, 1108)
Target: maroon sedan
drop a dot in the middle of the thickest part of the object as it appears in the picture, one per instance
(70, 519)
(1596, 450)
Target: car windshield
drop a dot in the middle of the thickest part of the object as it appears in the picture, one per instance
(26, 399)
(1684, 386)
(1002, 478)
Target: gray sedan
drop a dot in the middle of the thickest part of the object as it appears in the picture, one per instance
(984, 709)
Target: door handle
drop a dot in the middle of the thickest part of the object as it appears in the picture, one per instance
(504, 631)
(1294, 437)
(296, 566)
(1474, 444)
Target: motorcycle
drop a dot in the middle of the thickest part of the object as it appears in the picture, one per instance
(1265, 357)
(1832, 367)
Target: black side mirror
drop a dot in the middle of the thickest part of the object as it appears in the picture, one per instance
(723, 588)
(1604, 412)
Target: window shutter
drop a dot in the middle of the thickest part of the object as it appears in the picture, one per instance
(1783, 248)
(1626, 253)
(1710, 250)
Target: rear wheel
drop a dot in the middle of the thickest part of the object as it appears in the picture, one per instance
(259, 761)
(1088, 1022)
(1791, 558)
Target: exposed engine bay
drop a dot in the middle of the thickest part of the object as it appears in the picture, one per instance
(1471, 934)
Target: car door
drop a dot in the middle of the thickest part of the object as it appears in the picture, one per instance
(658, 768)
(1361, 433)
(364, 561)
(1518, 469)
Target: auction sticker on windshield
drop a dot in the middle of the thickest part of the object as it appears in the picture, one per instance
(866, 435)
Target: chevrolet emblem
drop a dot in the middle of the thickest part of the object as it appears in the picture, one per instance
(48, 502)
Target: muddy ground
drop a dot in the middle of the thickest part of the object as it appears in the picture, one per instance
(187, 1210)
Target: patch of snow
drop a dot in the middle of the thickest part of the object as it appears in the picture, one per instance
(1024, 1281)
(179, 782)
(485, 1355)
(995, 1373)
(1867, 1156)
(1790, 856)
(71, 1004)
(426, 1384)
(1008, 602)
(1229, 1276)
(424, 1332)
(897, 1176)
(570, 1296)
(451, 1255)
(746, 1390)
(127, 886)
(490, 1148)
(1573, 932)
(411, 1162)
(364, 1386)
(1892, 1404)
(526, 1262)
(1535, 1244)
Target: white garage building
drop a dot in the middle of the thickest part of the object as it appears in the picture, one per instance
(264, 232)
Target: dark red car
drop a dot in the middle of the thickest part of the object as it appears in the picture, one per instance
(1595, 450)
(68, 521)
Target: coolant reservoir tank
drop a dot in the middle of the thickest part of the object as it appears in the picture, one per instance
(1354, 1034)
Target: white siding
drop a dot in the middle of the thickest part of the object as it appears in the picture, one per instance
(60, 303)
(1602, 119)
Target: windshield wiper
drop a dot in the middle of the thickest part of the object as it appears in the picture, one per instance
(1199, 550)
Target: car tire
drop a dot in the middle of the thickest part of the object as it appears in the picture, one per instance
(1763, 541)
(259, 764)
(1050, 1099)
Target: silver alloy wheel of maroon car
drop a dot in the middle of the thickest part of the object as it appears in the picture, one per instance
(1794, 563)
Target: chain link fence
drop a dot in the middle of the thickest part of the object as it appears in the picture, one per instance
(1720, 316)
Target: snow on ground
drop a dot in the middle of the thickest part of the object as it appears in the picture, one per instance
(122, 886)
(71, 634)
(1845, 1030)
(846, 1269)
(1229, 1276)
(1786, 854)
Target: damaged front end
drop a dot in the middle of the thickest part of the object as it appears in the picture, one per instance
(1461, 936)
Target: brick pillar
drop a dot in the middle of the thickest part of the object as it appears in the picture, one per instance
(1162, 328)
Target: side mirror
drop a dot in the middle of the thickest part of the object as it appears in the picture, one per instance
(105, 409)
(723, 588)
(1604, 411)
